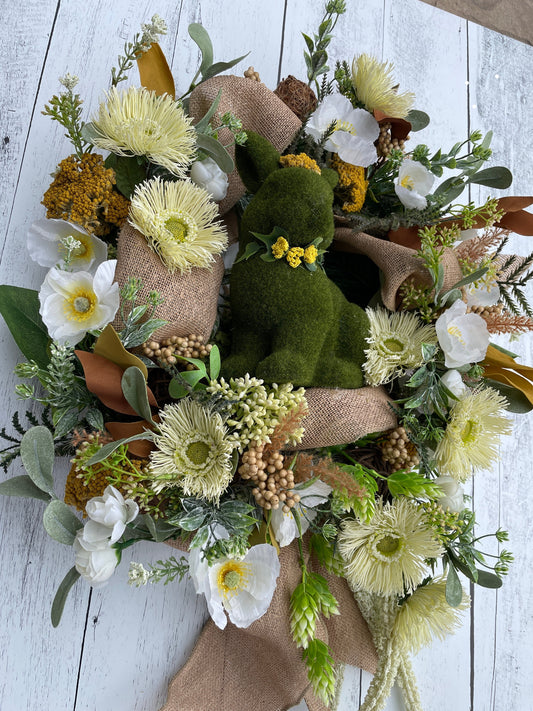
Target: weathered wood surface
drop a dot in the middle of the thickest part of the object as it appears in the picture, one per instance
(117, 648)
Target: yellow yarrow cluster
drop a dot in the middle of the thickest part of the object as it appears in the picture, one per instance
(294, 255)
(300, 160)
(78, 490)
(82, 192)
(352, 182)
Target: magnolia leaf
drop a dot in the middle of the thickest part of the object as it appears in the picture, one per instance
(517, 401)
(20, 309)
(60, 523)
(38, 454)
(495, 177)
(218, 67)
(216, 151)
(134, 388)
(128, 172)
(154, 72)
(200, 36)
(203, 123)
(488, 580)
(108, 345)
(417, 119)
(61, 595)
(454, 590)
(23, 486)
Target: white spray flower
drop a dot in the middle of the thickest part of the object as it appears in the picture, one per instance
(112, 511)
(413, 183)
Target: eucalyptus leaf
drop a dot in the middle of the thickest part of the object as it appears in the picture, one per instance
(20, 309)
(495, 177)
(135, 391)
(450, 189)
(109, 448)
(176, 389)
(214, 363)
(23, 486)
(470, 278)
(488, 580)
(89, 133)
(38, 454)
(61, 595)
(203, 123)
(219, 67)
(216, 151)
(450, 297)
(60, 523)
(200, 36)
(454, 590)
(417, 119)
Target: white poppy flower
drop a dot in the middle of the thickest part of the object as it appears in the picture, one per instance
(74, 303)
(454, 382)
(95, 560)
(47, 249)
(210, 177)
(463, 337)
(284, 524)
(241, 588)
(413, 183)
(354, 134)
(453, 493)
(112, 512)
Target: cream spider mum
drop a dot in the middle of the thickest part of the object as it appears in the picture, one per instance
(387, 554)
(472, 436)
(137, 122)
(426, 614)
(192, 451)
(178, 220)
(395, 341)
(375, 87)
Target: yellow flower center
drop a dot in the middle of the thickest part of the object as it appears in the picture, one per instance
(81, 304)
(346, 126)
(198, 452)
(470, 432)
(455, 331)
(407, 182)
(388, 545)
(393, 345)
(232, 576)
(178, 228)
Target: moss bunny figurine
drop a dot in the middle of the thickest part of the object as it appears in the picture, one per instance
(291, 323)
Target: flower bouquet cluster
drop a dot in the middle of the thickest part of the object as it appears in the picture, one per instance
(301, 419)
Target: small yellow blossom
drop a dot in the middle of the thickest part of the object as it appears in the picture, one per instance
(294, 256)
(352, 183)
(300, 160)
(279, 247)
(310, 254)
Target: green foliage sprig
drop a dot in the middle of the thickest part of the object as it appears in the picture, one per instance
(141, 42)
(65, 108)
(139, 321)
(518, 272)
(316, 57)
(165, 571)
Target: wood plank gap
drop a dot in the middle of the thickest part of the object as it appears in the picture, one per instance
(176, 36)
(472, 586)
(8, 223)
(468, 121)
(82, 647)
(360, 687)
(383, 25)
(282, 40)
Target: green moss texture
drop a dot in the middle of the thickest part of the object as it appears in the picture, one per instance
(290, 324)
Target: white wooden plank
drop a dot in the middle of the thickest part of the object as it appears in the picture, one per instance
(500, 70)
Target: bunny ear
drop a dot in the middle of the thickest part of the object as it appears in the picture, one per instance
(256, 160)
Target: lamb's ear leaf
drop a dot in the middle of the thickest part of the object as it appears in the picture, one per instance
(256, 160)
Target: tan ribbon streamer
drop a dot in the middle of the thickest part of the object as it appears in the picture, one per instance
(260, 667)
(258, 108)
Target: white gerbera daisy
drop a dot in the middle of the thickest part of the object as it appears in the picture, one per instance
(136, 121)
(426, 614)
(74, 303)
(192, 451)
(354, 134)
(241, 588)
(179, 221)
(47, 245)
(472, 437)
(387, 554)
(395, 343)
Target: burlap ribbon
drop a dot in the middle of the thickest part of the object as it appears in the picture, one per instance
(260, 667)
